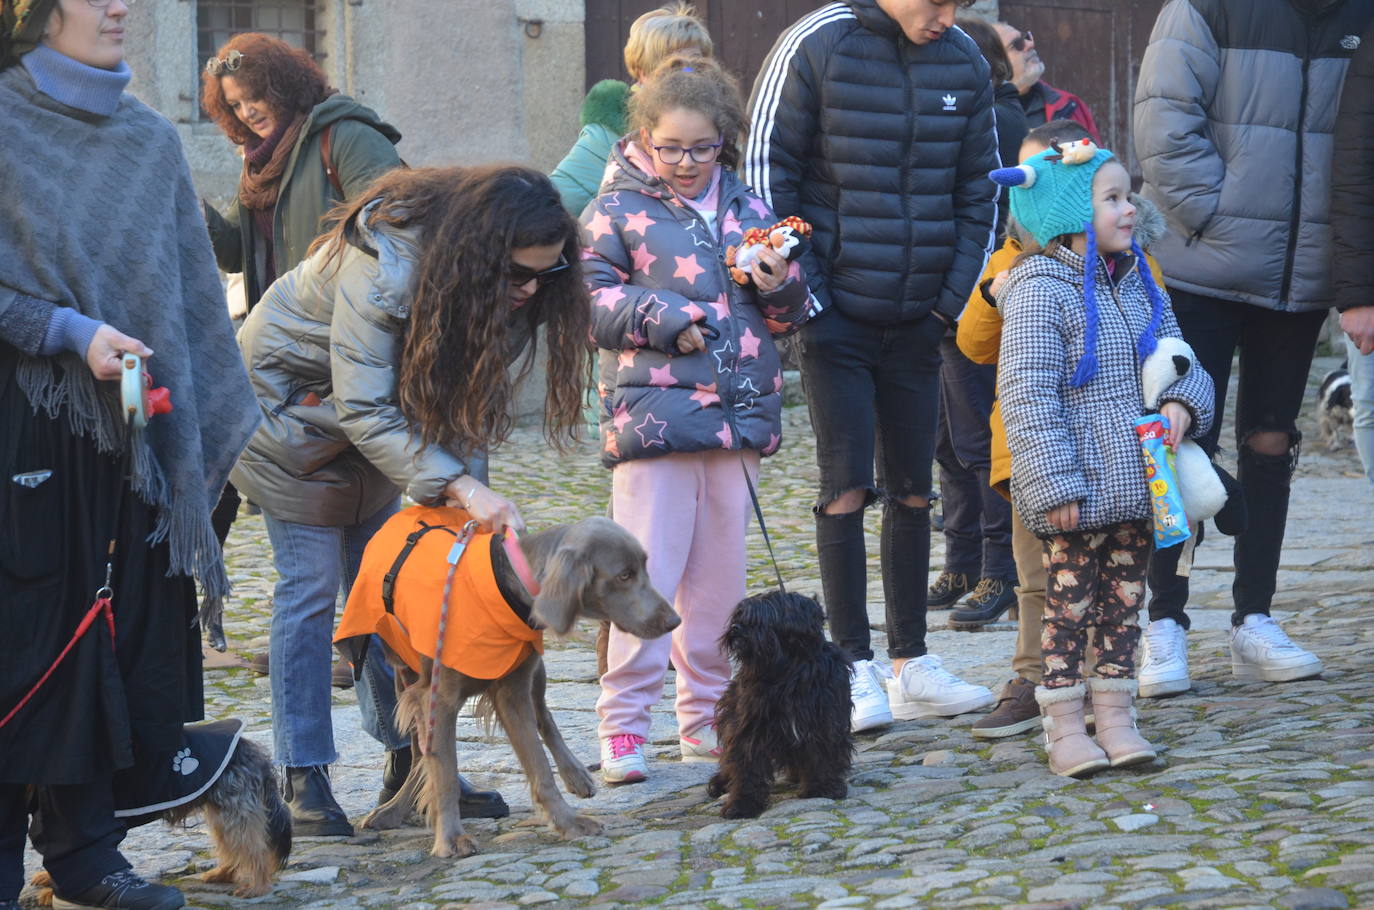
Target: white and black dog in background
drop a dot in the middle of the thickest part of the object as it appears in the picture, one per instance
(1334, 417)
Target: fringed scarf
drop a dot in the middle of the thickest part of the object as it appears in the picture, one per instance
(264, 163)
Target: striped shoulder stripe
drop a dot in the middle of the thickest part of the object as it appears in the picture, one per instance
(770, 83)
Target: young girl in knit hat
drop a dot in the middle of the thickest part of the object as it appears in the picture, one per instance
(1081, 314)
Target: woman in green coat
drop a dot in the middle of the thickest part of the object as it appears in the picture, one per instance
(654, 37)
(305, 148)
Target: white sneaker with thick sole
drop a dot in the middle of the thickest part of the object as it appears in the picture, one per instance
(1164, 659)
(701, 744)
(622, 759)
(1261, 650)
(868, 697)
(925, 688)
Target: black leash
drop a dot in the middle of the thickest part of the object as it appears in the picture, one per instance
(758, 513)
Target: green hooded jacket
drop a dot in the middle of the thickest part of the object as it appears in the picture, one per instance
(362, 149)
(578, 175)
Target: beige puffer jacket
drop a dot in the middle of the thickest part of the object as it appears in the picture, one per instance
(337, 332)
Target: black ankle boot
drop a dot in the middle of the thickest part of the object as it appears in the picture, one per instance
(314, 812)
(472, 803)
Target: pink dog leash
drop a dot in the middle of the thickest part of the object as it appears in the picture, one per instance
(519, 563)
(455, 554)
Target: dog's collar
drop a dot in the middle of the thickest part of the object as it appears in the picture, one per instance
(519, 563)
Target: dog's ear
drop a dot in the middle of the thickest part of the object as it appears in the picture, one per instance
(567, 575)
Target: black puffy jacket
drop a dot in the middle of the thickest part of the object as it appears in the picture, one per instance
(1352, 183)
(884, 146)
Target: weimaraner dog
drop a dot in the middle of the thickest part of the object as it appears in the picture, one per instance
(592, 569)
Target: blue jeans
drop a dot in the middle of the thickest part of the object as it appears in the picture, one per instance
(977, 517)
(314, 565)
(1361, 367)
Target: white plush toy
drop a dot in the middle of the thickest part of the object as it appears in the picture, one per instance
(1198, 483)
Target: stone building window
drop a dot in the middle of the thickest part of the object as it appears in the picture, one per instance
(295, 21)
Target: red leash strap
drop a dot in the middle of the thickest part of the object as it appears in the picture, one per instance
(454, 555)
(101, 606)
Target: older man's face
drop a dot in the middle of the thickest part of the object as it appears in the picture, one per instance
(1026, 66)
(922, 21)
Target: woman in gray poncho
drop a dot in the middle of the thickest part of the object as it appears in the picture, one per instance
(102, 250)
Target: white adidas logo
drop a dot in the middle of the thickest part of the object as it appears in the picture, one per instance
(949, 102)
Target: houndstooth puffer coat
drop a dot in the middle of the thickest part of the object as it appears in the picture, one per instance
(1079, 444)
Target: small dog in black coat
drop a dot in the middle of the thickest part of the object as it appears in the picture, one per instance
(787, 707)
(1335, 409)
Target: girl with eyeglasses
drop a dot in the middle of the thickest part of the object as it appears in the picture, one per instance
(382, 366)
(102, 252)
(690, 387)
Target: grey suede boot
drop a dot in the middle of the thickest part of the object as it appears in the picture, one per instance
(1072, 752)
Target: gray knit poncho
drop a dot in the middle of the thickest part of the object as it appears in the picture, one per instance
(98, 213)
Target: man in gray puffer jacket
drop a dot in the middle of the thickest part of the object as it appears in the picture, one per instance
(1234, 114)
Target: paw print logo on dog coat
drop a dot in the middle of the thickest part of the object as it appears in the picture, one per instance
(184, 762)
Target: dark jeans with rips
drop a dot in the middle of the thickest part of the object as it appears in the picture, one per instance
(1276, 350)
(73, 827)
(874, 390)
(977, 518)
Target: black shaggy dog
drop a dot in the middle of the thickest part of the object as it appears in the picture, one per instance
(787, 707)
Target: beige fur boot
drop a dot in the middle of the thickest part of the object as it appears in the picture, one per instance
(1072, 752)
(1114, 710)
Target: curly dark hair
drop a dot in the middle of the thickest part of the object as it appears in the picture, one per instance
(283, 76)
(455, 385)
(696, 84)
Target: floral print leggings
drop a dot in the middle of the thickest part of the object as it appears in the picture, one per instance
(1095, 579)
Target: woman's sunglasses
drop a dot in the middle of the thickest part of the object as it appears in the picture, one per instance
(229, 63)
(521, 275)
(1019, 43)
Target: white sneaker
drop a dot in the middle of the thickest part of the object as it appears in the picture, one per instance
(622, 759)
(1164, 659)
(701, 744)
(1261, 650)
(869, 699)
(925, 688)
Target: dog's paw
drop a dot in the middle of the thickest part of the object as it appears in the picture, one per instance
(220, 875)
(252, 889)
(578, 782)
(42, 882)
(386, 817)
(579, 826)
(717, 785)
(456, 847)
(743, 807)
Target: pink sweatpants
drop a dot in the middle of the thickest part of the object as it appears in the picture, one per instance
(690, 512)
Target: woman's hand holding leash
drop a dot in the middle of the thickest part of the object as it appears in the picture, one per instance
(107, 346)
(492, 511)
(1180, 419)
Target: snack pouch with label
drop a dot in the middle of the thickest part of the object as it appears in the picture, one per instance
(1166, 504)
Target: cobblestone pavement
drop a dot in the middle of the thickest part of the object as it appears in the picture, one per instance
(1263, 795)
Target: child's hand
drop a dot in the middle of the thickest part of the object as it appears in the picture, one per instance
(769, 279)
(1064, 518)
(999, 281)
(1180, 419)
(690, 339)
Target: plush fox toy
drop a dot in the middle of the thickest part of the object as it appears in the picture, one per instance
(786, 237)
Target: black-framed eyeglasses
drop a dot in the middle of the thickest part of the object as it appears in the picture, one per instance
(521, 275)
(1019, 43)
(701, 154)
(229, 63)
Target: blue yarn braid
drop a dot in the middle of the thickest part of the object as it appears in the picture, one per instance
(1087, 364)
(1145, 345)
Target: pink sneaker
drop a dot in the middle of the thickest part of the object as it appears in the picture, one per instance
(700, 744)
(622, 759)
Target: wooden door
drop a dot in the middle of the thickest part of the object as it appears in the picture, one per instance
(1093, 49)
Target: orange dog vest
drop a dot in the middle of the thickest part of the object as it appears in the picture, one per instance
(485, 638)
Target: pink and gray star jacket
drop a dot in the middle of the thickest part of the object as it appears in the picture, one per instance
(655, 265)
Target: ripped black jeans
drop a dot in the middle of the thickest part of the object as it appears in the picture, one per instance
(874, 391)
(1276, 350)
